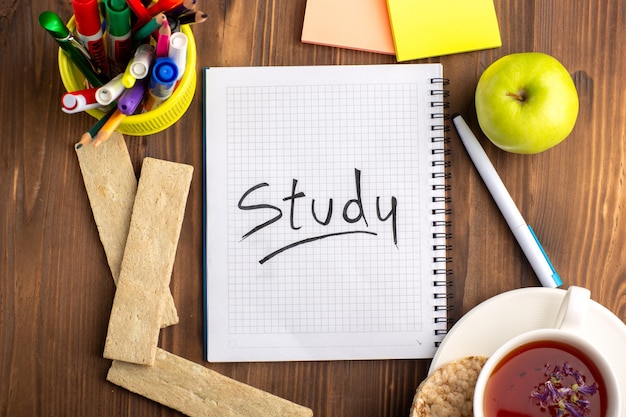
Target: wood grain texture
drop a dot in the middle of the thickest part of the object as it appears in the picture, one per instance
(56, 289)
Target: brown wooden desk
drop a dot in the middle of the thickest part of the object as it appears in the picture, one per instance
(55, 286)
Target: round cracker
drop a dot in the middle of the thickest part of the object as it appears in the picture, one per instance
(449, 391)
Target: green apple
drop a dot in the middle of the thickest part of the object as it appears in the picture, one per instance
(526, 102)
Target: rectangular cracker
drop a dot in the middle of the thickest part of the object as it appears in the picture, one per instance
(111, 186)
(198, 391)
(148, 261)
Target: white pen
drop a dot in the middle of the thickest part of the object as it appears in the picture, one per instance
(523, 233)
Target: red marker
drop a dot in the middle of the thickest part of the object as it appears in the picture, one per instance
(89, 31)
(77, 101)
(140, 12)
(187, 7)
(163, 6)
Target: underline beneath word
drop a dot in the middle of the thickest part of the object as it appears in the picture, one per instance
(312, 239)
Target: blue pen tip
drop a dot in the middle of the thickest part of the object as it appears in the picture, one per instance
(165, 70)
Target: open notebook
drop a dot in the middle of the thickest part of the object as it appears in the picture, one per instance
(325, 212)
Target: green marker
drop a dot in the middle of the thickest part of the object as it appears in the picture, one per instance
(119, 45)
(79, 56)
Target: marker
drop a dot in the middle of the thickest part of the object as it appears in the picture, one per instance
(109, 92)
(146, 30)
(162, 83)
(163, 40)
(76, 52)
(78, 101)
(128, 80)
(119, 44)
(140, 11)
(131, 98)
(163, 6)
(185, 8)
(178, 52)
(139, 66)
(523, 233)
(89, 31)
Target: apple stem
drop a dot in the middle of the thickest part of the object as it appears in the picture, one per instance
(517, 96)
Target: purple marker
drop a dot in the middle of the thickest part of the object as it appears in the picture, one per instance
(130, 99)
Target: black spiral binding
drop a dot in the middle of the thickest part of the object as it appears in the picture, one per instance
(440, 177)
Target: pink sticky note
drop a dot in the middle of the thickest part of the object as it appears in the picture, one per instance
(353, 24)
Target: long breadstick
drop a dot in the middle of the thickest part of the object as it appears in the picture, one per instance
(148, 261)
(198, 391)
(111, 186)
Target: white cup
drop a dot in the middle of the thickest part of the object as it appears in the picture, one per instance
(566, 333)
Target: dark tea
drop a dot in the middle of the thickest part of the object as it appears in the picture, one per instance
(509, 391)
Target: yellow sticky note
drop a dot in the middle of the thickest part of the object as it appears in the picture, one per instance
(427, 28)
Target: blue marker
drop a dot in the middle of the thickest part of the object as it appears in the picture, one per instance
(523, 233)
(162, 82)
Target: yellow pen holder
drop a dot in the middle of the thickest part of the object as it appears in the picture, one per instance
(155, 120)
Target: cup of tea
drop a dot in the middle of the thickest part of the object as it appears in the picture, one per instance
(552, 372)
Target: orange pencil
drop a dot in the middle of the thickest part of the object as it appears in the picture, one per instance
(109, 127)
(88, 136)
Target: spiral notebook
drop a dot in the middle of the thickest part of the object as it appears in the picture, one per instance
(325, 212)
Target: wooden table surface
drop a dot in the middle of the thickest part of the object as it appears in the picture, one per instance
(56, 289)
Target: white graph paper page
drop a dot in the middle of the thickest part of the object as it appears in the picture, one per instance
(318, 213)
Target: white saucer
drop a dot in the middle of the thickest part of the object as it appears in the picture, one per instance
(488, 325)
